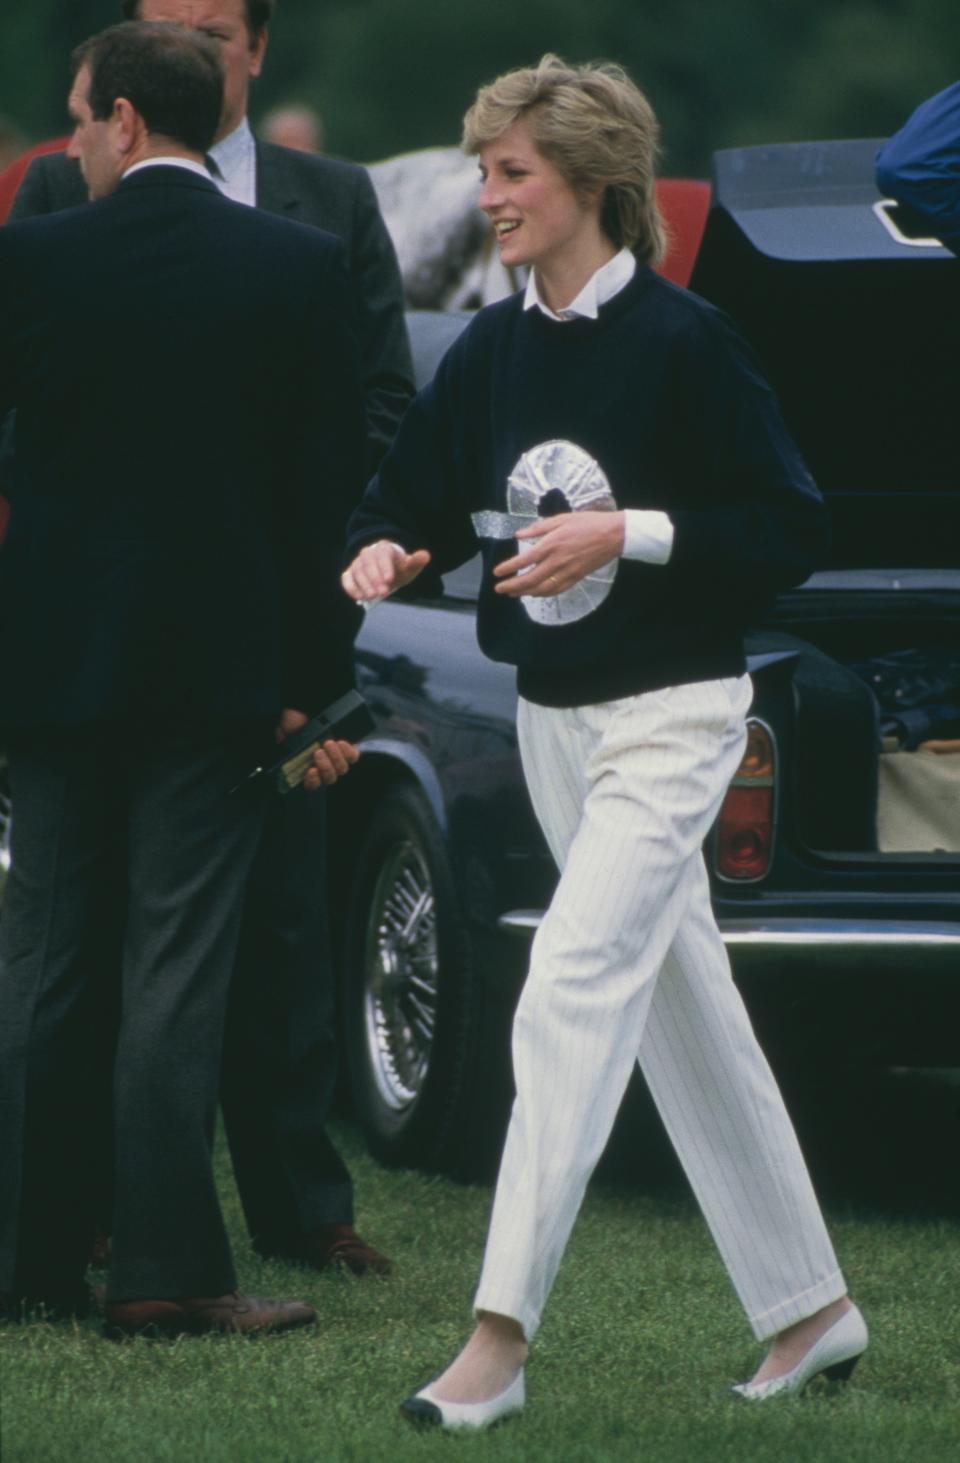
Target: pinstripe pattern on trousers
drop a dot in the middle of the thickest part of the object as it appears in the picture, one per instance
(628, 965)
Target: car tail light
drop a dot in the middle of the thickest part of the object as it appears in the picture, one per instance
(745, 826)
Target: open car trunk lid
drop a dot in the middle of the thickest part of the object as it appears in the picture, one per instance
(858, 327)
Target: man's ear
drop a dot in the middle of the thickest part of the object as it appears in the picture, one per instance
(258, 49)
(127, 123)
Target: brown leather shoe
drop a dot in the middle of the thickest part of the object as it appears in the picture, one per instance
(195, 1315)
(339, 1245)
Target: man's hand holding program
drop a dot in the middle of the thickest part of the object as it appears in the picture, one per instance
(331, 760)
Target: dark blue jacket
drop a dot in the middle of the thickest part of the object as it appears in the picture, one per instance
(189, 444)
(920, 165)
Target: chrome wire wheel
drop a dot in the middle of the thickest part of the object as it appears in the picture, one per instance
(401, 977)
(409, 1002)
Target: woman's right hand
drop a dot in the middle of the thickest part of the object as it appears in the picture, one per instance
(381, 568)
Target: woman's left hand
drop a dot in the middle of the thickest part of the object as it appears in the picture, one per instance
(563, 550)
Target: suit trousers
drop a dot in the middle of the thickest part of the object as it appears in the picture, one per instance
(628, 965)
(159, 794)
(281, 1046)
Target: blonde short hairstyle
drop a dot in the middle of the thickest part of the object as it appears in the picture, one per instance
(596, 127)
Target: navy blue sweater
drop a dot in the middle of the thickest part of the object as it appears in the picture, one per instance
(669, 399)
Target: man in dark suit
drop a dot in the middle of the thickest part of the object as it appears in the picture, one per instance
(168, 588)
(329, 194)
(280, 1055)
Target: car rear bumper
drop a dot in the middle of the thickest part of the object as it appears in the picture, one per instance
(832, 940)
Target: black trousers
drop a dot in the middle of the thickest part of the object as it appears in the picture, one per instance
(280, 1052)
(281, 1047)
(159, 794)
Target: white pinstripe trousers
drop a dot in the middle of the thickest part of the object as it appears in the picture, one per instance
(628, 965)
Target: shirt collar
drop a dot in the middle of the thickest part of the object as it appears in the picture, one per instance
(608, 281)
(232, 152)
(168, 162)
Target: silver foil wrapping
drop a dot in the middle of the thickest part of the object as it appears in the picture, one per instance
(568, 469)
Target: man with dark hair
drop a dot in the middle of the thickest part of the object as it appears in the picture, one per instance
(329, 194)
(173, 548)
(280, 1056)
(258, 13)
(162, 74)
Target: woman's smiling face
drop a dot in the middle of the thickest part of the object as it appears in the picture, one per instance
(536, 215)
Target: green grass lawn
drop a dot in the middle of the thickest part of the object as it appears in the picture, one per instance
(639, 1345)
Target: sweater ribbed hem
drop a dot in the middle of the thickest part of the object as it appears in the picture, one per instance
(588, 685)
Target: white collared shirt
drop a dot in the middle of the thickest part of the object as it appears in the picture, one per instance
(606, 282)
(168, 162)
(236, 157)
(647, 532)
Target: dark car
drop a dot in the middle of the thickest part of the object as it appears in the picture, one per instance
(441, 870)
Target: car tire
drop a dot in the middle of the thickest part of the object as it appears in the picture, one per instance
(411, 1003)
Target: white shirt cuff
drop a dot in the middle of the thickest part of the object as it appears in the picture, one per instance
(647, 535)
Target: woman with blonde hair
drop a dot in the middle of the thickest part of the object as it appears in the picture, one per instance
(611, 443)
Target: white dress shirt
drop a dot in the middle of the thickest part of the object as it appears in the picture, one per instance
(608, 281)
(168, 162)
(647, 533)
(236, 157)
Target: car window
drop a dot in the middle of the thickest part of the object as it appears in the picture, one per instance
(463, 583)
(432, 333)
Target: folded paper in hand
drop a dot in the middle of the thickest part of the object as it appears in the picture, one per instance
(347, 720)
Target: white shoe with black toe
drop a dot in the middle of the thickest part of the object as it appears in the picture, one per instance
(834, 1356)
(430, 1411)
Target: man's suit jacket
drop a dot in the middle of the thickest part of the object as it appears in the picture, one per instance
(189, 436)
(328, 194)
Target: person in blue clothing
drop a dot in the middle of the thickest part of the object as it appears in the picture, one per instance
(610, 443)
(920, 165)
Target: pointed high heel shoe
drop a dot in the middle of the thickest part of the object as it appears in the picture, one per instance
(430, 1411)
(835, 1355)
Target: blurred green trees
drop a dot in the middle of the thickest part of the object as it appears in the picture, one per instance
(390, 75)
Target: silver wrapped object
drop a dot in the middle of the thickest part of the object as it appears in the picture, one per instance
(568, 469)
